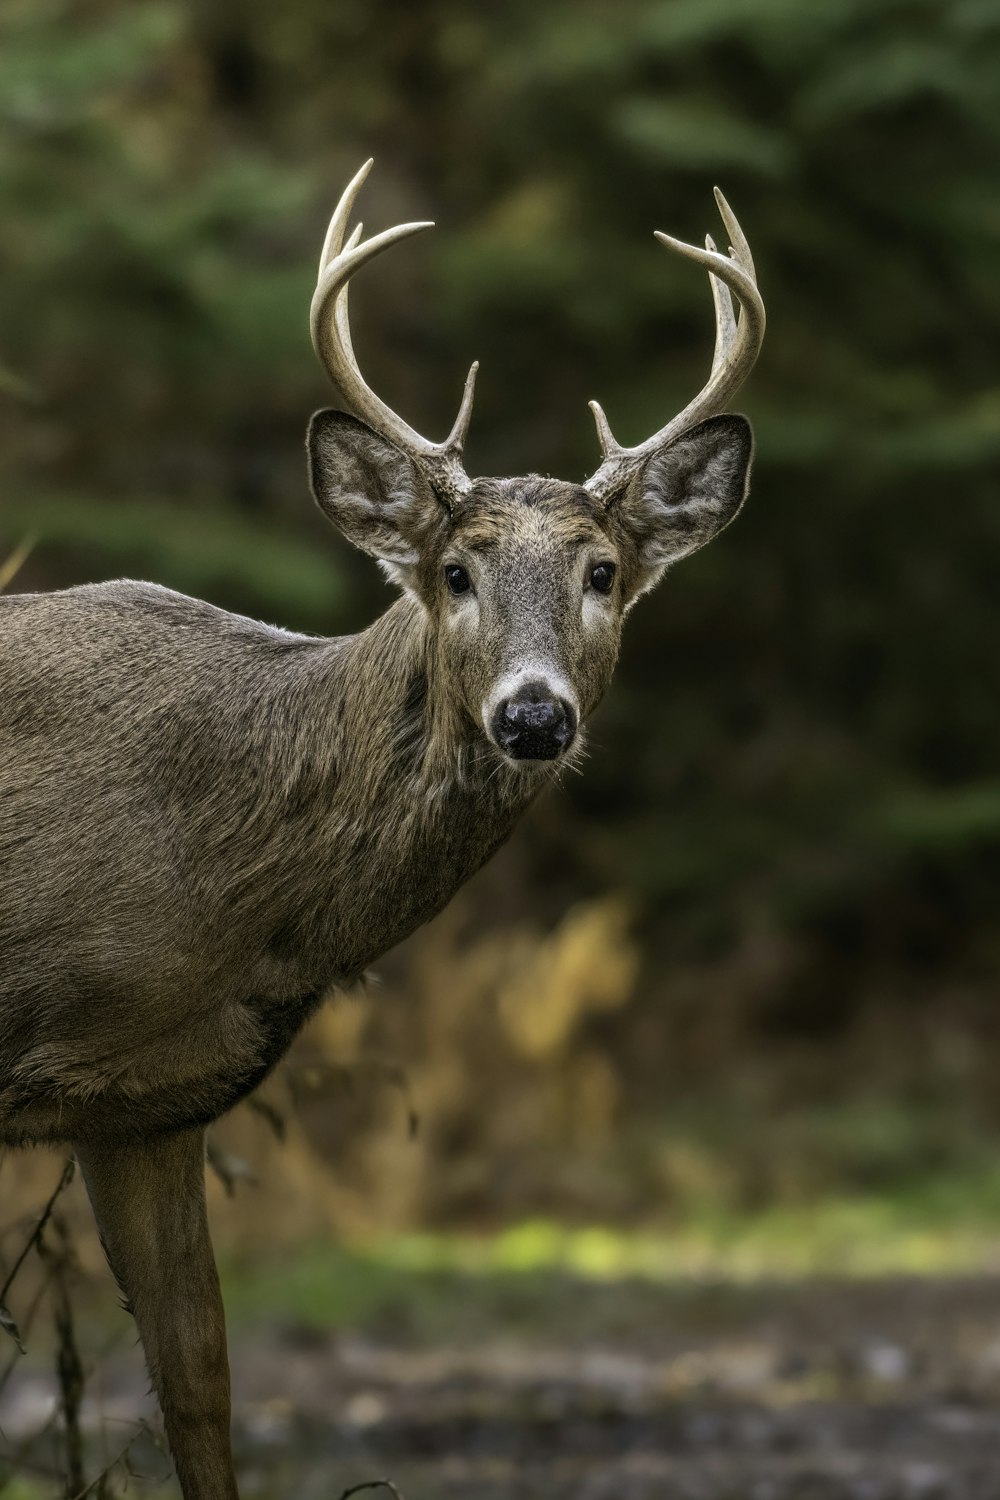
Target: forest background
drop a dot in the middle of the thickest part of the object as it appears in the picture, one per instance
(746, 964)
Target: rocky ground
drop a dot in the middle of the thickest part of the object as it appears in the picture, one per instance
(877, 1391)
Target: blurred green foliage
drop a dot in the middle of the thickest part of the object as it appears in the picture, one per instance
(460, 1286)
(796, 770)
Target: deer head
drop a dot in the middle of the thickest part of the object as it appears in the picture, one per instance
(526, 581)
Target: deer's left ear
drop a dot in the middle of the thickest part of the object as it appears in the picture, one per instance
(686, 494)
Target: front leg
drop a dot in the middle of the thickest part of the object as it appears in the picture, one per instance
(149, 1200)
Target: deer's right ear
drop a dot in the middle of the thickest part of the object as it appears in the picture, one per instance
(372, 491)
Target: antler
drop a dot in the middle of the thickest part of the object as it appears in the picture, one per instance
(737, 345)
(331, 336)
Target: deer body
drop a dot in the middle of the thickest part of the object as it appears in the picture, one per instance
(206, 823)
(255, 847)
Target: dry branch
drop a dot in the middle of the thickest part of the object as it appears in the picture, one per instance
(6, 1320)
(69, 1366)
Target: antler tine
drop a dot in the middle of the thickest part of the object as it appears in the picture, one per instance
(737, 344)
(334, 241)
(460, 431)
(331, 335)
(740, 247)
(606, 438)
(340, 307)
(725, 317)
(333, 280)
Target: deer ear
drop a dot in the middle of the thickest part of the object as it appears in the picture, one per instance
(371, 490)
(683, 496)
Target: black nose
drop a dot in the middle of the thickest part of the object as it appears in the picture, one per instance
(532, 725)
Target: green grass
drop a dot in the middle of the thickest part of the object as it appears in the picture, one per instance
(425, 1283)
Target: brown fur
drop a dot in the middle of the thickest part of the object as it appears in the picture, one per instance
(206, 823)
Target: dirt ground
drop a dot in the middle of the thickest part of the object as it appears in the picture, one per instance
(885, 1390)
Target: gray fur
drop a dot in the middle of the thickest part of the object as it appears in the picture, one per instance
(206, 823)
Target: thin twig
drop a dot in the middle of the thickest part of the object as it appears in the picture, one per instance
(6, 1321)
(99, 1478)
(25, 1327)
(64, 1182)
(69, 1366)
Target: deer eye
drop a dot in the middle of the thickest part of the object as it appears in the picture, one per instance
(602, 577)
(457, 579)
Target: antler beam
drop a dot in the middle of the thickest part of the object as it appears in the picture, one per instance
(331, 335)
(737, 344)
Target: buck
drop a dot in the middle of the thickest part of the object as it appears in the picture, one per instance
(207, 823)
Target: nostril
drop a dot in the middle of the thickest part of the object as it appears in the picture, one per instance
(565, 728)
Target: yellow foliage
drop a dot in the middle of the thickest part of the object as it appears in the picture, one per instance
(587, 964)
(489, 1033)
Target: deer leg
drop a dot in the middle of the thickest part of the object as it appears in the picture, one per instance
(149, 1201)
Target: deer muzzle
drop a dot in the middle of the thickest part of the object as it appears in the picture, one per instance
(534, 722)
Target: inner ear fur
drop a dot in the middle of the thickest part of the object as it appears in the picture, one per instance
(371, 490)
(685, 495)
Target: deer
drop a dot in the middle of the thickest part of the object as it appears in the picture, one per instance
(208, 824)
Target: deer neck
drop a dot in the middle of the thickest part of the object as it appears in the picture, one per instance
(405, 725)
(415, 800)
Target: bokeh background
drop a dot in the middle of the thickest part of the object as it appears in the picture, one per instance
(731, 993)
